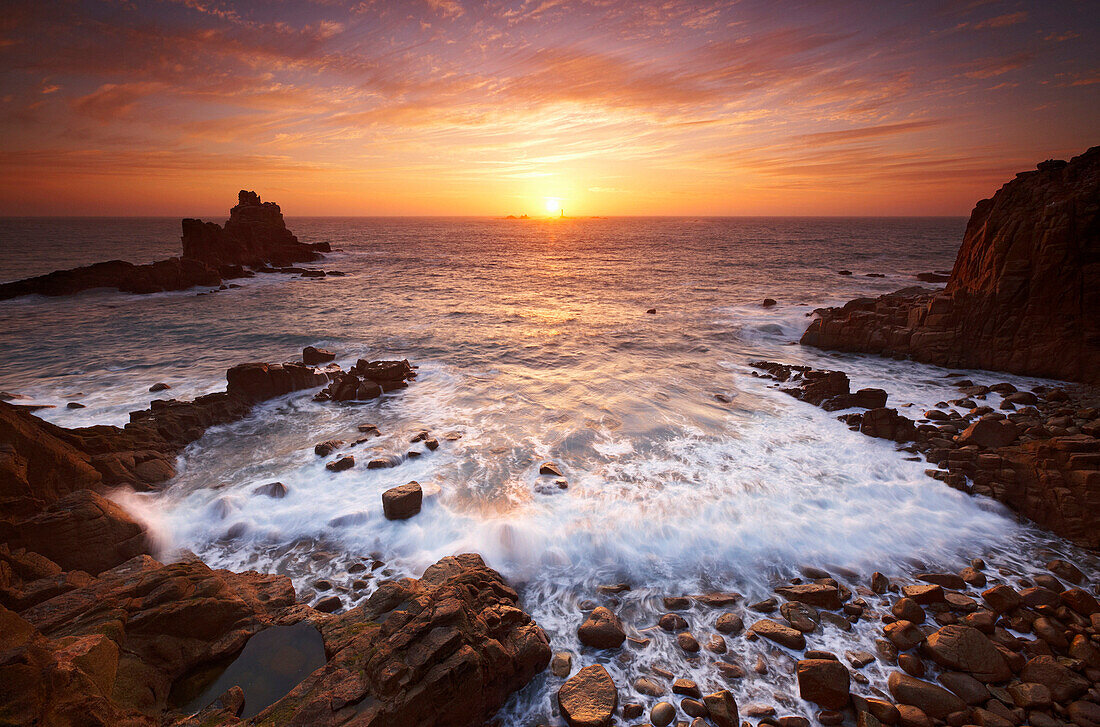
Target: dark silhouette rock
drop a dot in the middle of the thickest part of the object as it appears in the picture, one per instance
(254, 235)
(1022, 296)
(312, 356)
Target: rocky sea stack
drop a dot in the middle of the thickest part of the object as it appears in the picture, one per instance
(255, 236)
(1024, 294)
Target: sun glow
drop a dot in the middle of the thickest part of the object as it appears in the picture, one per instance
(553, 204)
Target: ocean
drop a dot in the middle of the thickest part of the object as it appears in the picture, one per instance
(685, 473)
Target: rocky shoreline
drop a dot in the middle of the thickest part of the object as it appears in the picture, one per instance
(96, 631)
(254, 240)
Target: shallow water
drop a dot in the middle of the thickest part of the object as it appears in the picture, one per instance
(533, 345)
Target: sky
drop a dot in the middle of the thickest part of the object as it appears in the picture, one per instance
(597, 107)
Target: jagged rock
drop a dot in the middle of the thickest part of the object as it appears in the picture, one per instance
(368, 380)
(445, 650)
(1021, 297)
(254, 235)
(82, 531)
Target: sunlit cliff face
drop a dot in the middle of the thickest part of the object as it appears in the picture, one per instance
(454, 107)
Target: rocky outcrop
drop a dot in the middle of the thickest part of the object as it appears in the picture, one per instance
(171, 274)
(1041, 459)
(1023, 295)
(445, 650)
(254, 236)
(368, 380)
(42, 463)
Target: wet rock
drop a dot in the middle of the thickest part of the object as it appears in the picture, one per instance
(82, 531)
(780, 634)
(1084, 714)
(602, 630)
(1063, 683)
(860, 659)
(1066, 571)
(722, 708)
(686, 688)
(1030, 695)
(652, 311)
(800, 616)
(276, 490)
(768, 605)
(911, 665)
(1080, 601)
(561, 664)
(968, 650)
(672, 622)
(768, 302)
(924, 594)
(326, 448)
(687, 642)
(312, 356)
(633, 711)
(447, 649)
(730, 623)
(1002, 598)
(903, 634)
(906, 609)
(649, 687)
(716, 645)
(159, 386)
(550, 468)
(989, 434)
(386, 462)
(589, 698)
(934, 701)
(662, 714)
(329, 604)
(823, 681)
(340, 465)
(966, 687)
(403, 501)
(814, 594)
(879, 583)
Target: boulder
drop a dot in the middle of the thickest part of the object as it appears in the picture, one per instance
(824, 682)
(602, 630)
(312, 356)
(963, 648)
(722, 708)
(933, 700)
(989, 434)
(403, 501)
(780, 634)
(1064, 684)
(275, 490)
(815, 594)
(589, 698)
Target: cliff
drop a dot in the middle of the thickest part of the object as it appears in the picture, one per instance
(1024, 293)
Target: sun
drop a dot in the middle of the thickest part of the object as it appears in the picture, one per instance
(553, 204)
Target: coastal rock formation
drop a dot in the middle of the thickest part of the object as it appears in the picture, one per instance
(171, 274)
(368, 380)
(445, 650)
(1024, 293)
(254, 236)
(95, 631)
(42, 463)
(1042, 460)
